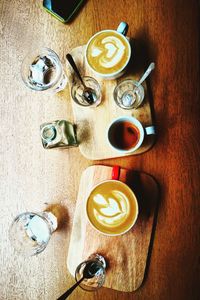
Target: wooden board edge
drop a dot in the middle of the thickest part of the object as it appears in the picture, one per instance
(118, 155)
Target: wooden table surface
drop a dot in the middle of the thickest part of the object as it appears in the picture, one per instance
(32, 178)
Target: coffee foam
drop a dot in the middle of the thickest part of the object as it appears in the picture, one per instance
(107, 52)
(111, 207)
(111, 54)
(111, 211)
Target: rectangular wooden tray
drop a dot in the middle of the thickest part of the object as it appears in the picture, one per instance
(92, 123)
(126, 254)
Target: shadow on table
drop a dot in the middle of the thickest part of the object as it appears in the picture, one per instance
(61, 214)
(144, 52)
(148, 193)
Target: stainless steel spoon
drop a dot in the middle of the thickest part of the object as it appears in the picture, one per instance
(88, 93)
(146, 74)
(69, 291)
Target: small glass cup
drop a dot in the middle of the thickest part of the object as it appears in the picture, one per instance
(42, 71)
(128, 95)
(93, 270)
(77, 92)
(30, 232)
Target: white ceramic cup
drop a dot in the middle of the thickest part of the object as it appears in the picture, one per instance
(142, 131)
(121, 30)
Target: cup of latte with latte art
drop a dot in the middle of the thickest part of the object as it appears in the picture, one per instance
(112, 208)
(108, 52)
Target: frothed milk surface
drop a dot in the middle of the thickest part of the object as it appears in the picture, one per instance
(112, 207)
(108, 52)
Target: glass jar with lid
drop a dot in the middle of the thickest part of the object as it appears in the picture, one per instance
(58, 134)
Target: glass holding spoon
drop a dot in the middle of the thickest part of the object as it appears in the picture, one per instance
(86, 92)
(95, 266)
(89, 275)
(129, 93)
(78, 93)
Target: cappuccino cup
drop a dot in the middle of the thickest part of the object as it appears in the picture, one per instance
(126, 134)
(112, 207)
(108, 52)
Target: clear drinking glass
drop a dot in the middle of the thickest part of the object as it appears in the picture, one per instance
(93, 270)
(128, 95)
(77, 92)
(42, 71)
(30, 232)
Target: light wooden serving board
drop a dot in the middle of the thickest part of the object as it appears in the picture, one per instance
(92, 123)
(127, 254)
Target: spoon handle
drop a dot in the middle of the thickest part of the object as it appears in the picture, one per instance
(72, 63)
(148, 71)
(70, 290)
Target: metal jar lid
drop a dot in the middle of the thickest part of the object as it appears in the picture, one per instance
(48, 133)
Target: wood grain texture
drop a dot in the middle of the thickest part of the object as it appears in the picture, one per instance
(93, 123)
(166, 32)
(127, 257)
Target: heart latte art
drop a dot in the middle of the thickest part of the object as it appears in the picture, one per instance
(108, 52)
(112, 207)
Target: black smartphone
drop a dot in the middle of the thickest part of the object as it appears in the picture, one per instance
(63, 10)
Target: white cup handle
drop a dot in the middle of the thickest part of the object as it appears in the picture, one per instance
(122, 28)
(150, 130)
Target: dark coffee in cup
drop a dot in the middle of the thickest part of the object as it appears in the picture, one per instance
(124, 135)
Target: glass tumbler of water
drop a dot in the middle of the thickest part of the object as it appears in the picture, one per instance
(92, 271)
(128, 95)
(30, 232)
(42, 71)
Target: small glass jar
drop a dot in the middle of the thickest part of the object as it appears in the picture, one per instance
(58, 134)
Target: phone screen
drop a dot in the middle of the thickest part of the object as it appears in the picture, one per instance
(62, 8)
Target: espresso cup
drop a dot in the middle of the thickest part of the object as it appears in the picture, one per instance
(108, 52)
(112, 207)
(126, 134)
